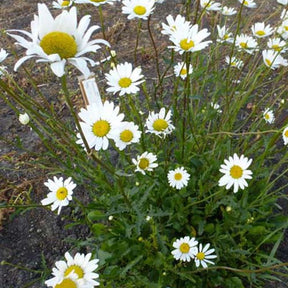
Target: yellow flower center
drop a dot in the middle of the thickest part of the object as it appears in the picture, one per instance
(61, 193)
(185, 45)
(200, 256)
(124, 82)
(244, 45)
(207, 4)
(126, 136)
(226, 36)
(245, 3)
(143, 163)
(65, 3)
(97, 1)
(268, 62)
(66, 283)
(160, 125)
(236, 172)
(101, 128)
(260, 33)
(286, 134)
(183, 71)
(184, 248)
(233, 63)
(276, 47)
(178, 176)
(139, 10)
(267, 116)
(75, 269)
(59, 43)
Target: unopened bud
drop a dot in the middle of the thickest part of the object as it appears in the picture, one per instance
(24, 118)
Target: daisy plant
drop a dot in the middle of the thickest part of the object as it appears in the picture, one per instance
(180, 154)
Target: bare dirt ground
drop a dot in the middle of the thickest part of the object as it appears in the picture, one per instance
(28, 237)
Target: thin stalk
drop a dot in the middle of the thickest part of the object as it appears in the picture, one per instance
(137, 40)
(154, 46)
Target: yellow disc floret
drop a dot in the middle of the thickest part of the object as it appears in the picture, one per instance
(75, 269)
(65, 3)
(186, 45)
(97, 1)
(143, 163)
(101, 128)
(59, 43)
(178, 176)
(126, 136)
(260, 33)
(268, 62)
(160, 125)
(236, 172)
(139, 10)
(183, 71)
(244, 45)
(124, 82)
(66, 283)
(200, 256)
(184, 248)
(286, 133)
(61, 193)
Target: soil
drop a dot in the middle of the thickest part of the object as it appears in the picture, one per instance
(28, 237)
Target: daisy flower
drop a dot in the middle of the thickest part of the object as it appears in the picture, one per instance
(277, 45)
(248, 3)
(228, 11)
(58, 41)
(177, 24)
(124, 79)
(283, 2)
(81, 267)
(268, 116)
(127, 133)
(259, 30)
(185, 248)
(224, 35)
(94, 2)
(24, 118)
(203, 255)
(138, 8)
(159, 123)
(210, 5)
(235, 172)
(282, 30)
(189, 40)
(98, 124)
(273, 59)
(246, 43)
(145, 162)
(234, 62)
(285, 135)
(178, 178)
(61, 4)
(60, 193)
(181, 70)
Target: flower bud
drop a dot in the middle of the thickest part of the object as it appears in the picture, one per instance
(24, 118)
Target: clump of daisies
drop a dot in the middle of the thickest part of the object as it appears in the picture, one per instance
(187, 249)
(75, 272)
